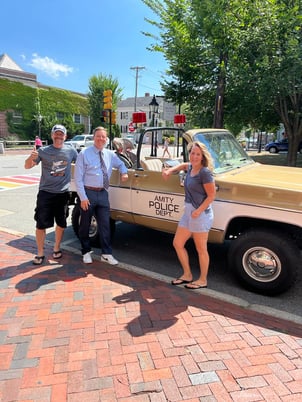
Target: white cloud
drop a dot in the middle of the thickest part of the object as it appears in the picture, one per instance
(49, 66)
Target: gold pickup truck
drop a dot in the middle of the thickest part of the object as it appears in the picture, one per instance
(257, 210)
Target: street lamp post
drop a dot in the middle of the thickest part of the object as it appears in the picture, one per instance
(153, 108)
(39, 122)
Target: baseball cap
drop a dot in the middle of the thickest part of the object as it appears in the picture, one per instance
(59, 127)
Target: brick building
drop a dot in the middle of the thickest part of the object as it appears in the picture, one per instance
(11, 71)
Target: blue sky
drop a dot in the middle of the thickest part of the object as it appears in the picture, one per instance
(65, 42)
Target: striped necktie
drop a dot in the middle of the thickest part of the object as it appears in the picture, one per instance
(104, 171)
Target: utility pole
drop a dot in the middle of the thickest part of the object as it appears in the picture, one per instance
(137, 68)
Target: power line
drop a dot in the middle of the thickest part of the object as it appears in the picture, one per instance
(137, 68)
(160, 74)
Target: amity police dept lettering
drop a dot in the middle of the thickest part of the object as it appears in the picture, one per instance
(164, 206)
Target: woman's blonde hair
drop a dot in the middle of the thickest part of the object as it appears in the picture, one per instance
(207, 160)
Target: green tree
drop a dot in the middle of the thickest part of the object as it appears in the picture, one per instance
(269, 66)
(181, 46)
(193, 40)
(237, 61)
(97, 85)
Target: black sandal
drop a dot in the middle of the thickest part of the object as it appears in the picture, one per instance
(57, 254)
(38, 260)
(180, 281)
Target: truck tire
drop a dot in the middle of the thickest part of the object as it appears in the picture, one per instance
(264, 262)
(93, 232)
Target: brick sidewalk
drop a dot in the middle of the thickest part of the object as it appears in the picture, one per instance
(76, 333)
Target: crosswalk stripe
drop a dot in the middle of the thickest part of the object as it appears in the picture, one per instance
(17, 181)
(9, 184)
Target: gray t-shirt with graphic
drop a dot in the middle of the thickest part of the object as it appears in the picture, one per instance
(56, 167)
(195, 193)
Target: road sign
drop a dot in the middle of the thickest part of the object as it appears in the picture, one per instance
(131, 128)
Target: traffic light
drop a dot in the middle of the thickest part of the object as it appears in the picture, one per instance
(113, 117)
(105, 116)
(107, 99)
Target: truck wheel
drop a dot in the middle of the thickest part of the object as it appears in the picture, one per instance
(93, 232)
(264, 262)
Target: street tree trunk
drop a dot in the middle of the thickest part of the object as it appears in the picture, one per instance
(289, 110)
(220, 90)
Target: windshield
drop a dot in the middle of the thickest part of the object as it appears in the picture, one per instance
(226, 152)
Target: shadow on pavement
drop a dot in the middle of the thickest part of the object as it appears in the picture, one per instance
(160, 303)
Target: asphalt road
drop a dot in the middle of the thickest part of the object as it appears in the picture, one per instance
(144, 249)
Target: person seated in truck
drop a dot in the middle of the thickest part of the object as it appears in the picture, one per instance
(123, 153)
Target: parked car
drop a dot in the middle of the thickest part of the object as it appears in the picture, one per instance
(277, 146)
(257, 208)
(80, 141)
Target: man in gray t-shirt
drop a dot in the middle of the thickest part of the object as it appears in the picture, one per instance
(53, 195)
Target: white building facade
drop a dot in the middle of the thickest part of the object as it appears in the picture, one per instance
(126, 107)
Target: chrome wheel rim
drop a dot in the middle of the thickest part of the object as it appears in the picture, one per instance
(261, 264)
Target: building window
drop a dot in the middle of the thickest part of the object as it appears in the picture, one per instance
(60, 115)
(77, 118)
(124, 115)
(17, 117)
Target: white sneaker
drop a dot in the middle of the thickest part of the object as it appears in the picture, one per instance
(87, 258)
(109, 259)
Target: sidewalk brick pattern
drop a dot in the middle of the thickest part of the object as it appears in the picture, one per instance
(69, 332)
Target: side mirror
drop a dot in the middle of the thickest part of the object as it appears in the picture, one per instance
(182, 176)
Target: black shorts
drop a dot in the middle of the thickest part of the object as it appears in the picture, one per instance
(51, 207)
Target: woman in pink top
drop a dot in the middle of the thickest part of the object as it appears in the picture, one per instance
(38, 142)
